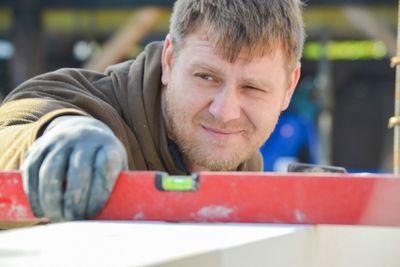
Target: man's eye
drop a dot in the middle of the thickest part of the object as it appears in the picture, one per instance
(255, 89)
(205, 77)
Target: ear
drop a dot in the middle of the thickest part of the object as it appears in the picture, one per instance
(166, 60)
(293, 80)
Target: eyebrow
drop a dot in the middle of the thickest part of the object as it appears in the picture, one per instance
(247, 80)
(206, 66)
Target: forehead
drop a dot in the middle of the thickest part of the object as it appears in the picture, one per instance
(199, 47)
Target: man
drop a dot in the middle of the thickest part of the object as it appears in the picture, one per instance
(205, 99)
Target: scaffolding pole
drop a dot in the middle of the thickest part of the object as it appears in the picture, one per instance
(394, 122)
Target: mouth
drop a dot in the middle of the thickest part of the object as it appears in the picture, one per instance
(221, 133)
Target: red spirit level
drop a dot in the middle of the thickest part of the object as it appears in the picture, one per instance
(297, 198)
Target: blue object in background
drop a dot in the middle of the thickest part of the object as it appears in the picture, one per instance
(294, 139)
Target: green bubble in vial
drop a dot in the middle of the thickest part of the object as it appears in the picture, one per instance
(177, 183)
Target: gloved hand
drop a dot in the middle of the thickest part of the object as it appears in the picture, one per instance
(69, 171)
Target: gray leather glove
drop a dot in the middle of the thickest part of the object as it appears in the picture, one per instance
(70, 171)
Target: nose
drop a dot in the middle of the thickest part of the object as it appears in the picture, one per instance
(225, 105)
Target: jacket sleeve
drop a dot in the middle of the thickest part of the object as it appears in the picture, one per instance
(32, 105)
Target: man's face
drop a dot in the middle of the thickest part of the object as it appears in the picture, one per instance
(220, 113)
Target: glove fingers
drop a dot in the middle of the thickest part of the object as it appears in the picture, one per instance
(51, 181)
(30, 176)
(79, 179)
(108, 164)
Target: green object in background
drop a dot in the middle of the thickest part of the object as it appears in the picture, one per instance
(346, 50)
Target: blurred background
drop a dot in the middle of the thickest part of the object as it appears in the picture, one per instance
(338, 116)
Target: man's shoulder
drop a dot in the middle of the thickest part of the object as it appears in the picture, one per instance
(120, 68)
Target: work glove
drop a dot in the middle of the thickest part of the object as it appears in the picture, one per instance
(70, 170)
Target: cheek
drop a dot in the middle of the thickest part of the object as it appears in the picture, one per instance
(263, 114)
(195, 99)
(187, 100)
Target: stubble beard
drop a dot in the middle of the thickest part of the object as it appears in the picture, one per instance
(194, 151)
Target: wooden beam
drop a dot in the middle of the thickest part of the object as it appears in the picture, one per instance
(134, 30)
(367, 22)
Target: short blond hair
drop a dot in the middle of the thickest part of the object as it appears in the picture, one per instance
(254, 26)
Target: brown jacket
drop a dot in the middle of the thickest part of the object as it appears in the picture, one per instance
(126, 98)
